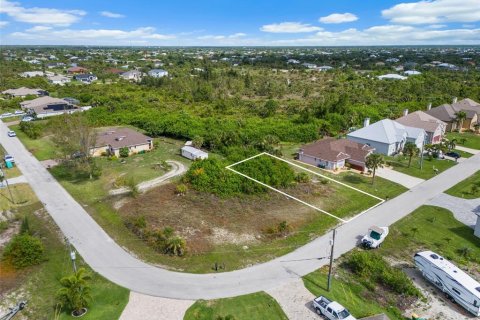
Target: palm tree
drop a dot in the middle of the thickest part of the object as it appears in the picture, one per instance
(460, 116)
(175, 246)
(75, 291)
(411, 150)
(452, 144)
(373, 162)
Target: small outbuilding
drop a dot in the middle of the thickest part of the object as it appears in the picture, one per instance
(192, 153)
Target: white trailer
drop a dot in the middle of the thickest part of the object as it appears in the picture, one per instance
(456, 284)
(193, 153)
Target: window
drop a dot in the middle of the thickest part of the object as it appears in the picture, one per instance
(329, 310)
(456, 291)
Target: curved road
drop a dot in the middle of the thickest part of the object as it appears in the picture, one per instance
(114, 263)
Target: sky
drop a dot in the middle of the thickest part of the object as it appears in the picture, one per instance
(240, 23)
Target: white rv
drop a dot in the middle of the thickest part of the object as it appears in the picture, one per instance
(447, 277)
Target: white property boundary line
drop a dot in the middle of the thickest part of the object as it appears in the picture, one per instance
(229, 167)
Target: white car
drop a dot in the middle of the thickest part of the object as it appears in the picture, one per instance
(8, 158)
(18, 112)
(27, 119)
(331, 310)
(375, 236)
(11, 133)
(6, 114)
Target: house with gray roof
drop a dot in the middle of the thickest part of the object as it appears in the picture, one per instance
(23, 92)
(387, 136)
(47, 106)
(448, 114)
(157, 73)
(434, 127)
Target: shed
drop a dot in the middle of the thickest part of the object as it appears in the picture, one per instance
(193, 153)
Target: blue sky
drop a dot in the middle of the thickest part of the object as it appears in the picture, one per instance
(246, 22)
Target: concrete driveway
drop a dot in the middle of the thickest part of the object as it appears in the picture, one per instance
(398, 177)
(464, 210)
(114, 263)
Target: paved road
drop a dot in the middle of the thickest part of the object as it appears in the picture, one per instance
(177, 169)
(114, 263)
(398, 177)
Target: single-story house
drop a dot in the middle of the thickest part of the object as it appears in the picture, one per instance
(333, 153)
(477, 226)
(47, 106)
(387, 137)
(412, 73)
(192, 153)
(392, 76)
(23, 92)
(134, 75)
(434, 127)
(58, 79)
(158, 73)
(31, 74)
(111, 141)
(447, 113)
(76, 70)
(85, 78)
(114, 71)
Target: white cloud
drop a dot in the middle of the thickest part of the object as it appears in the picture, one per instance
(37, 15)
(437, 26)
(221, 37)
(3, 24)
(91, 36)
(388, 35)
(339, 18)
(289, 27)
(39, 29)
(110, 14)
(434, 11)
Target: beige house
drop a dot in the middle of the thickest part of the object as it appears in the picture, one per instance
(111, 141)
(447, 113)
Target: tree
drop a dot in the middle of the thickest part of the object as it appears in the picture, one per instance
(23, 251)
(410, 150)
(124, 152)
(175, 245)
(460, 117)
(75, 292)
(197, 141)
(373, 162)
(452, 144)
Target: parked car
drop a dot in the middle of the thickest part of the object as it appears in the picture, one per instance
(27, 119)
(331, 310)
(11, 133)
(453, 154)
(8, 158)
(17, 112)
(375, 236)
(6, 114)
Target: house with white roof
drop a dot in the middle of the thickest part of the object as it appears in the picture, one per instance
(157, 73)
(58, 79)
(392, 76)
(192, 153)
(134, 75)
(388, 137)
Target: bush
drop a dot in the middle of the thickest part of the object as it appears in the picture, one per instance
(302, 177)
(124, 152)
(181, 189)
(23, 251)
(32, 130)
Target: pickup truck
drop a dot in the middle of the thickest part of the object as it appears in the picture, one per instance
(331, 310)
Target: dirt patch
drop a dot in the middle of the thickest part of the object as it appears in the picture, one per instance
(8, 234)
(206, 220)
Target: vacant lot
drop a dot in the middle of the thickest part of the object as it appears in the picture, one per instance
(21, 193)
(39, 284)
(472, 140)
(464, 189)
(256, 306)
(42, 148)
(400, 163)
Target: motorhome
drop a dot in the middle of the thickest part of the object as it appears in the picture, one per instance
(456, 284)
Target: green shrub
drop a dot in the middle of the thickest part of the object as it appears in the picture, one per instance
(31, 129)
(23, 251)
(302, 177)
(124, 152)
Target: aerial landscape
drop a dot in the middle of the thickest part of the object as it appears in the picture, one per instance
(240, 160)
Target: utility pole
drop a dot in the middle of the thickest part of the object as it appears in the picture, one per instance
(6, 182)
(330, 269)
(72, 254)
(13, 311)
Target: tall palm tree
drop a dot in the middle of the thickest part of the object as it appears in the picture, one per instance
(175, 246)
(75, 291)
(373, 162)
(410, 150)
(460, 116)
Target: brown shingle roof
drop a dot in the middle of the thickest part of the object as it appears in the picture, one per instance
(331, 149)
(422, 120)
(121, 137)
(446, 112)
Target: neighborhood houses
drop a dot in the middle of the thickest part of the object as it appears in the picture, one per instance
(450, 114)
(434, 127)
(85, 78)
(47, 106)
(111, 142)
(158, 73)
(24, 92)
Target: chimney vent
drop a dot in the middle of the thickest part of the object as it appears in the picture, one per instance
(429, 107)
(454, 100)
(366, 122)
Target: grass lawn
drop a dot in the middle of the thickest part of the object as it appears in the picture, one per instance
(248, 307)
(42, 148)
(9, 173)
(473, 140)
(463, 189)
(22, 195)
(463, 153)
(432, 228)
(400, 163)
(39, 284)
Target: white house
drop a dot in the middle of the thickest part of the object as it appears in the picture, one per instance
(388, 137)
(412, 73)
(158, 73)
(392, 76)
(133, 75)
(31, 74)
(58, 79)
(193, 153)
